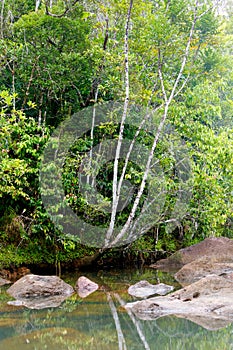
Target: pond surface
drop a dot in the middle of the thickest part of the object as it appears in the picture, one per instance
(99, 322)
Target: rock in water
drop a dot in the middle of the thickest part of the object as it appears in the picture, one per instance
(208, 302)
(35, 285)
(202, 267)
(85, 286)
(144, 289)
(39, 302)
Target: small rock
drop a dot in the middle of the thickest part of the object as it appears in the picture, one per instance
(85, 286)
(144, 289)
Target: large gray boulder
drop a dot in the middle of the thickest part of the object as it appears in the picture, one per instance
(35, 286)
(144, 289)
(218, 248)
(202, 267)
(208, 302)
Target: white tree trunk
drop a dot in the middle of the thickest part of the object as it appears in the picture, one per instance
(115, 191)
(167, 102)
(38, 2)
(2, 18)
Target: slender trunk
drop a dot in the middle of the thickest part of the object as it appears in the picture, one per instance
(2, 19)
(37, 5)
(13, 84)
(115, 193)
(44, 123)
(29, 82)
(95, 90)
(92, 132)
(97, 78)
(40, 111)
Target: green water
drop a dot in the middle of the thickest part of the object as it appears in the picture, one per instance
(99, 322)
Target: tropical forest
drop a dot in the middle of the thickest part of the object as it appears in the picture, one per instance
(116, 174)
(149, 81)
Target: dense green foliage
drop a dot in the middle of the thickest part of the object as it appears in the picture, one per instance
(58, 60)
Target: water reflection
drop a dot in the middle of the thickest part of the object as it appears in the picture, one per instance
(99, 322)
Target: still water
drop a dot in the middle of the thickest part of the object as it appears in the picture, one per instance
(98, 322)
